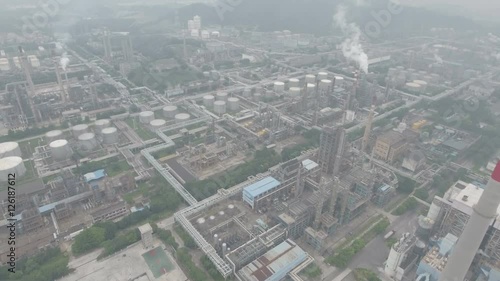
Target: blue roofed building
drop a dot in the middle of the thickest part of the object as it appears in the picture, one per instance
(433, 263)
(383, 195)
(94, 181)
(260, 190)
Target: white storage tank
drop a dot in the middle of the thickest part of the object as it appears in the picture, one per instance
(294, 82)
(310, 78)
(158, 123)
(413, 87)
(220, 107)
(10, 149)
(247, 93)
(169, 111)
(101, 124)
(423, 84)
(279, 87)
(53, 135)
(339, 81)
(11, 165)
(109, 135)
(208, 101)
(322, 76)
(60, 150)
(87, 141)
(79, 130)
(311, 88)
(233, 103)
(325, 85)
(182, 117)
(221, 96)
(146, 117)
(294, 92)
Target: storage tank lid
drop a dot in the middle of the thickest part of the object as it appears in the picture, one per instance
(170, 108)
(58, 143)
(208, 97)
(220, 102)
(8, 146)
(80, 127)
(278, 83)
(10, 162)
(294, 89)
(326, 81)
(158, 122)
(233, 99)
(182, 116)
(147, 113)
(109, 130)
(102, 122)
(54, 133)
(86, 136)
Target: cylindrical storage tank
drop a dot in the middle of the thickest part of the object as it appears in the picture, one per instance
(221, 96)
(257, 97)
(423, 84)
(310, 78)
(53, 135)
(325, 84)
(87, 141)
(247, 93)
(169, 111)
(234, 104)
(413, 87)
(109, 135)
(269, 94)
(80, 129)
(322, 76)
(339, 81)
(311, 88)
(157, 124)
(208, 101)
(10, 148)
(101, 124)
(146, 117)
(294, 92)
(182, 117)
(293, 82)
(60, 150)
(279, 87)
(11, 165)
(220, 107)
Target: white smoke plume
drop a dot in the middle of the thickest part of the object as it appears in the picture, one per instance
(438, 59)
(64, 61)
(351, 47)
(58, 46)
(361, 3)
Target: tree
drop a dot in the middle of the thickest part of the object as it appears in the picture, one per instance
(422, 193)
(88, 240)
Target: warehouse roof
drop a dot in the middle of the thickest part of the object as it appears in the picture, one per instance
(95, 175)
(309, 164)
(261, 186)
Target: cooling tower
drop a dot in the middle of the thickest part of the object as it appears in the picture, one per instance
(484, 212)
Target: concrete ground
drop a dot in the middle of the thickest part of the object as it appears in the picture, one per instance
(125, 265)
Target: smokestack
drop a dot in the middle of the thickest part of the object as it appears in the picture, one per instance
(224, 249)
(468, 244)
(216, 239)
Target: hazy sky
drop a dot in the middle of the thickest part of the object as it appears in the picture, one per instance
(477, 9)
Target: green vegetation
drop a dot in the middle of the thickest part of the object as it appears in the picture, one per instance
(363, 274)
(405, 185)
(312, 271)
(312, 140)
(391, 241)
(262, 161)
(48, 265)
(186, 238)
(119, 243)
(113, 166)
(144, 133)
(422, 193)
(344, 256)
(185, 261)
(409, 204)
(210, 269)
(105, 115)
(165, 236)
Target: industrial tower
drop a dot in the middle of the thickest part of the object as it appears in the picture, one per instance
(484, 212)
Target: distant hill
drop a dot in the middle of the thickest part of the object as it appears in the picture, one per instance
(315, 16)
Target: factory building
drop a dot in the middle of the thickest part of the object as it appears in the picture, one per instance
(263, 189)
(383, 195)
(95, 182)
(390, 146)
(146, 235)
(31, 220)
(433, 263)
(275, 264)
(402, 257)
(110, 212)
(331, 149)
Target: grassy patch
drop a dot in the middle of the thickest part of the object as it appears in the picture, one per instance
(409, 204)
(144, 133)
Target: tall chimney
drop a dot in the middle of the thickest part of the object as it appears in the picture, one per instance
(468, 244)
